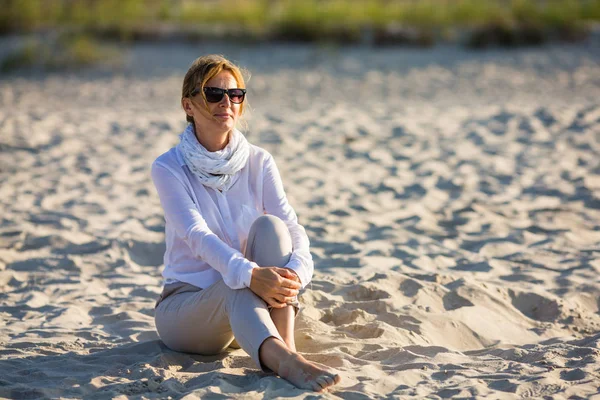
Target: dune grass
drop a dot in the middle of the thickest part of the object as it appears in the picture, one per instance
(77, 26)
(61, 53)
(267, 15)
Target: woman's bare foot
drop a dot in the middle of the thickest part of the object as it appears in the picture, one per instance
(291, 366)
(305, 374)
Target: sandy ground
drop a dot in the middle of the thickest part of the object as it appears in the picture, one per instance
(452, 200)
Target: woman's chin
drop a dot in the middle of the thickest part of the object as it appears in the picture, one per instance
(226, 126)
(220, 121)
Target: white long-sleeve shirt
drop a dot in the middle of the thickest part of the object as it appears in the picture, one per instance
(206, 230)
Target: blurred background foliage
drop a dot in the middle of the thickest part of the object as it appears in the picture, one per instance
(68, 31)
(130, 15)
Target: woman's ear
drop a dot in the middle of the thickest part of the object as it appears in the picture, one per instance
(187, 106)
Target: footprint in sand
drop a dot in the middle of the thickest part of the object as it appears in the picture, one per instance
(454, 301)
(536, 306)
(341, 316)
(410, 287)
(584, 352)
(368, 331)
(9, 239)
(365, 293)
(148, 254)
(94, 246)
(503, 385)
(43, 264)
(576, 374)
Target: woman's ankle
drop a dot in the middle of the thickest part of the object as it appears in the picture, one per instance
(272, 352)
(290, 343)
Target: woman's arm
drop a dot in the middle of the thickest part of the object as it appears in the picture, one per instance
(275, 203)
(181, 212)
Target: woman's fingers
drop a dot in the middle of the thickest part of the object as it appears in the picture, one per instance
(272, 287)
(275, 303)
(283, 299)
(289, 292)
(288, 283)
(289, 274)
(285, 292)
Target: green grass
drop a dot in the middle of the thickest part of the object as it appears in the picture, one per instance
(62, 53)
(126, 15)
(25, 57)
(305, 20)
(80, 23)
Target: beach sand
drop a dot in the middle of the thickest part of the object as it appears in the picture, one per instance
(452, 199)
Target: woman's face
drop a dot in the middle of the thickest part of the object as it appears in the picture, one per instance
(221, 117)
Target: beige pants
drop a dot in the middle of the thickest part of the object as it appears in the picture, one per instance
(205, 321)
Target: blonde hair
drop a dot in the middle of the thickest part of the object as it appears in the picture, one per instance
(202, 70)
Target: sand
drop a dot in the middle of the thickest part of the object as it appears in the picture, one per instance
(452, 199)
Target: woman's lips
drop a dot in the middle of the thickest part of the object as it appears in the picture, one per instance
(222, 116)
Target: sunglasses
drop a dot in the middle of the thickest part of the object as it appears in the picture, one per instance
(215, 95)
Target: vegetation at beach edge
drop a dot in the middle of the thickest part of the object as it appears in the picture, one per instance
(73, 29)
(59, 53)
(125, 17)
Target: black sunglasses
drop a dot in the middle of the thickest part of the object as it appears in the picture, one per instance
(215, 94)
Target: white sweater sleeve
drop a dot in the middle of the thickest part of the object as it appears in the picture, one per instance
(181, 212)
(275, 203)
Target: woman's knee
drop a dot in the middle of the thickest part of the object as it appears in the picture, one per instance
(270, 226)
(269, 242)
(268, 220)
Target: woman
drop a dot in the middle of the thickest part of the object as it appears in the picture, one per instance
(230, 270)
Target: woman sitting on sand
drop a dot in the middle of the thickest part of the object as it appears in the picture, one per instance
(236, 256)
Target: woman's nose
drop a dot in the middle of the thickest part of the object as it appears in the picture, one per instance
(225, 101)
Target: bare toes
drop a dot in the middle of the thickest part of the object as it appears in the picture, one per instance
(315, 386)
(336, 379)
(324, 381)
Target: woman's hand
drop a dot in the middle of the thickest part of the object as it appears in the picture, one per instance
(289, 274)
(271, 285)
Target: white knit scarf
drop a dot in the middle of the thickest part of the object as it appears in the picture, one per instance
(214, 169)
